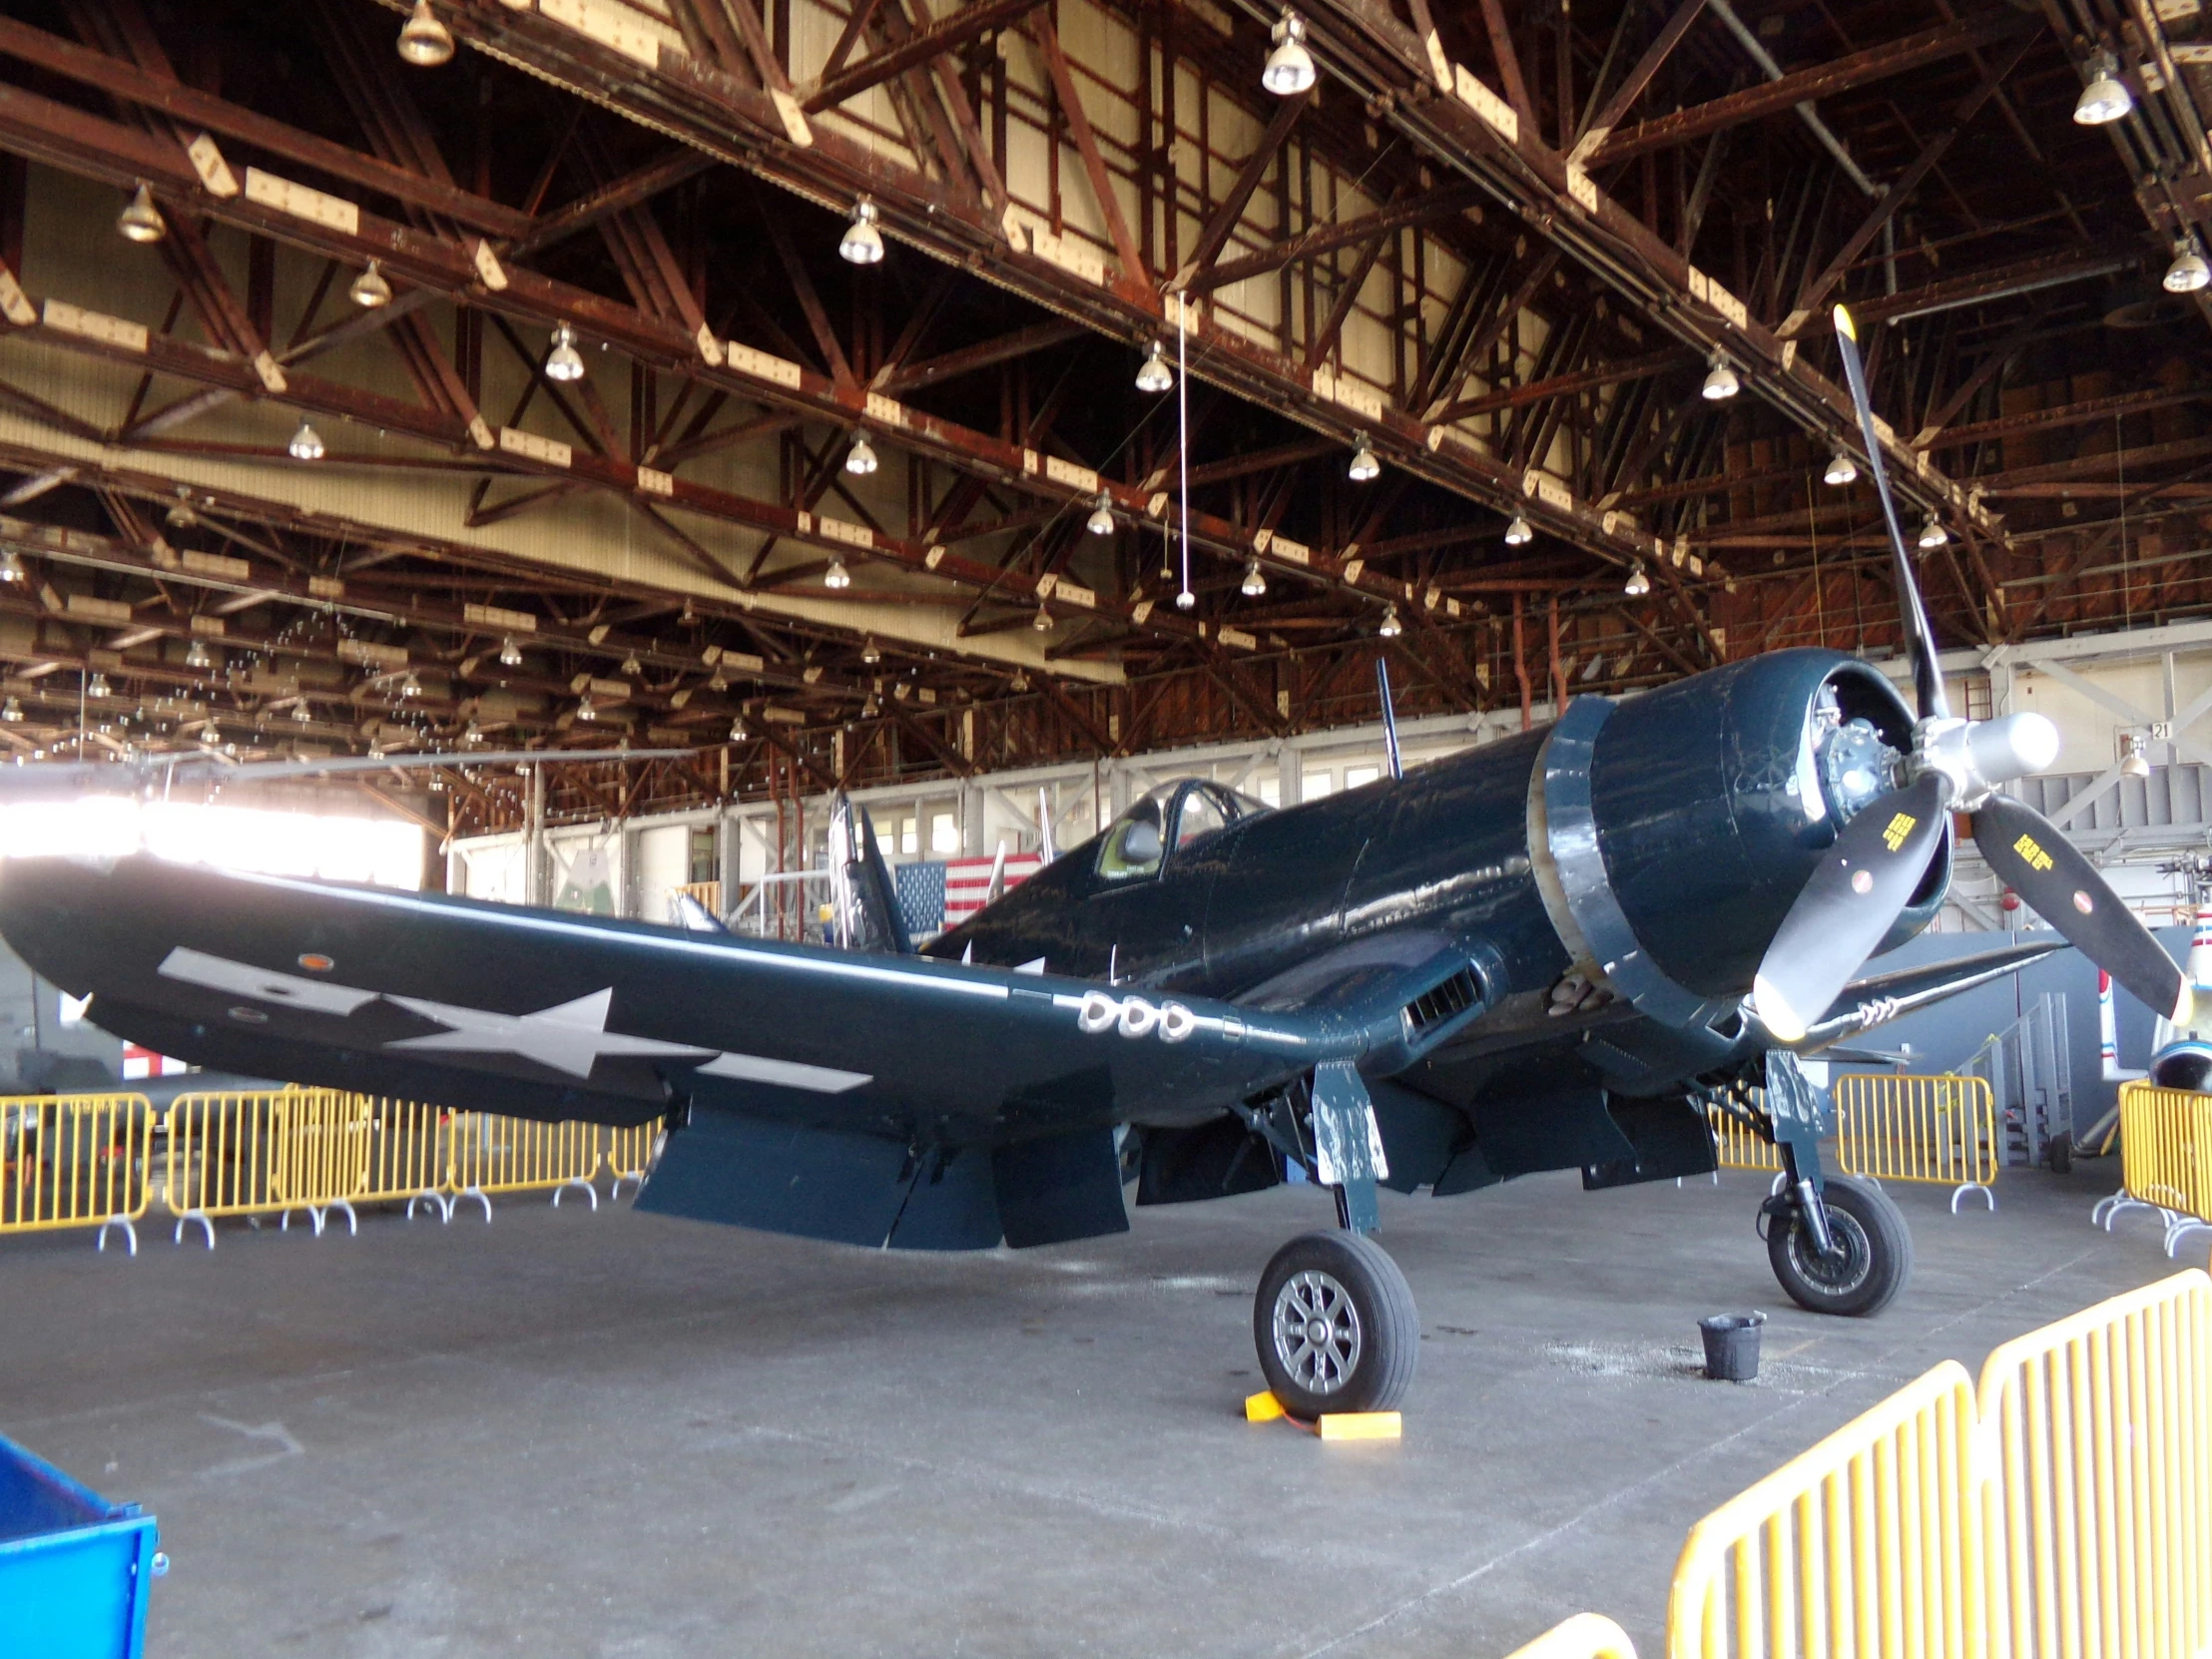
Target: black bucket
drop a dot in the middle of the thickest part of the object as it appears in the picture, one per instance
(1731, 1346)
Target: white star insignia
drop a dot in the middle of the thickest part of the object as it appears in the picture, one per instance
(570, 1037)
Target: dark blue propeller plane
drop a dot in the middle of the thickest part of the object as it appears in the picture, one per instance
(1558, 951)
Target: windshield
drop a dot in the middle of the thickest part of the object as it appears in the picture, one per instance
(1136, 840)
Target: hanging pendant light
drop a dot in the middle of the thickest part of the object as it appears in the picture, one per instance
(301, 712)
(631, 665)
(140, 220)
(11, 566)
(1720, 382)
(585, 709)
(861, 461)
(2105, 98)
(510, 654)
(198, 657)
(306, 443)
(1042, 621)
(863, 242)
(424, 40)
(12, 711)
(370, 288)
(836, 576)
(738, 733)
(1933, 534)
(97, 685)
(1255, 583)
(1841, 469)
(1101, 521)
(2188, 273)
(1155, 375)
(1638, 584)
(1289, 68)
(1364, 468)
(1521, 532)
(1391, 627)
(564, 361)
(871, 653)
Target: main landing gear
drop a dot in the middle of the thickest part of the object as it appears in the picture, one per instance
(1334, 1318)
(1839, 1245)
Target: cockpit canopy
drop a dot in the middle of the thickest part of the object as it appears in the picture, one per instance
(1179, 815)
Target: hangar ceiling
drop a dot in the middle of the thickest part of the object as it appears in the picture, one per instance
(584, 472)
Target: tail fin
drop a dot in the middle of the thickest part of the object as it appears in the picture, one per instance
(861, 893)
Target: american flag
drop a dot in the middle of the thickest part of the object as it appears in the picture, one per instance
(967, 882)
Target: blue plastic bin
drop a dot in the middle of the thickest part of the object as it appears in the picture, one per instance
(74, 1569)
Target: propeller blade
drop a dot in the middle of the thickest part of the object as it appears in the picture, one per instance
(1857, 891)
(1927, 674)
(2035, 860)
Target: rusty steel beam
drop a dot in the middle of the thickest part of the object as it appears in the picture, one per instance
(1877, 62)
(939, 38)
(1564, 385)
(1022, 342)
(1326, 238)
(1600, 127)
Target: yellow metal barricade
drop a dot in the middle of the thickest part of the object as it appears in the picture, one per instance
(629, 1152)
(411, 1154)
(1867, 1544)
(510, 1155)
(2165, 1160)
(1940, 1130)
(74, 1161)
(260, 1152)
(1585, 1636)
(1738, 1146)
(2098, 1465)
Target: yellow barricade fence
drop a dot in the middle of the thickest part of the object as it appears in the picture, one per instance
(2165, 1160)
(74, 1161)
(629, 1152)
(495, 1154)
(1585, 1636)
(410, 1154)
(2098, 1465)
(1940, 1130)
(260, 1152)
(1867, 1544)
(1738, 1147)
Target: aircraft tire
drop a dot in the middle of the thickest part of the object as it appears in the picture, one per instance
(1336, 1326)
(1877, 1252)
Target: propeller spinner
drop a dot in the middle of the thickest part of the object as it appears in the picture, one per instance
(1869, 874)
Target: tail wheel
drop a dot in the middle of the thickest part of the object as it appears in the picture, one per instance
(1336, 1326)
(1871, 1261)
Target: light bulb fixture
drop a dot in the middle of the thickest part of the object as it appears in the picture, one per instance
(1042, 621)
(1019, 682)
(2188, 273)
(2105, 99)
(564, 362)
(1638, 584)
(1719, 381)
(718, 681)
(140, 220)
(738, 733)
(1391, 627)
(871, 653)
(510, 654)
(585, 709)
(301, 712)
(861, 459)
(871, 708)
(1841, 469)
(424, 40)
(863, 242)
(198, 656)
(631, 664)
(12, 711)
(1186, 600)
(411, 685)
(97, 685)
(836, 576)
(2133, 762)
(11, 567)
(1365, 468)
(1290, 68)
(370, 288)
(1155, 375)
(1254, 582)
(1101, 521)
(306, 443)
(1933, 534)
(1519, 533)
(181, 517)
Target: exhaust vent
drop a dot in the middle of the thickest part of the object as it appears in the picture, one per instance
(1444, 1001)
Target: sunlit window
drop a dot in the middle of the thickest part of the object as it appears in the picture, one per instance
(247, 839)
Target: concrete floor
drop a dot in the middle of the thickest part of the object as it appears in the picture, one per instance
(624, 1435)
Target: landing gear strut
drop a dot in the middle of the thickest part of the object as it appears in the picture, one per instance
(1334, 1318)
(1837, 1246)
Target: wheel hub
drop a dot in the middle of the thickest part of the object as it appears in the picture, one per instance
(1318, 1337)
(1843, 1267)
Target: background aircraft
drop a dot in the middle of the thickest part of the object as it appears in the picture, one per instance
(1527, 956)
